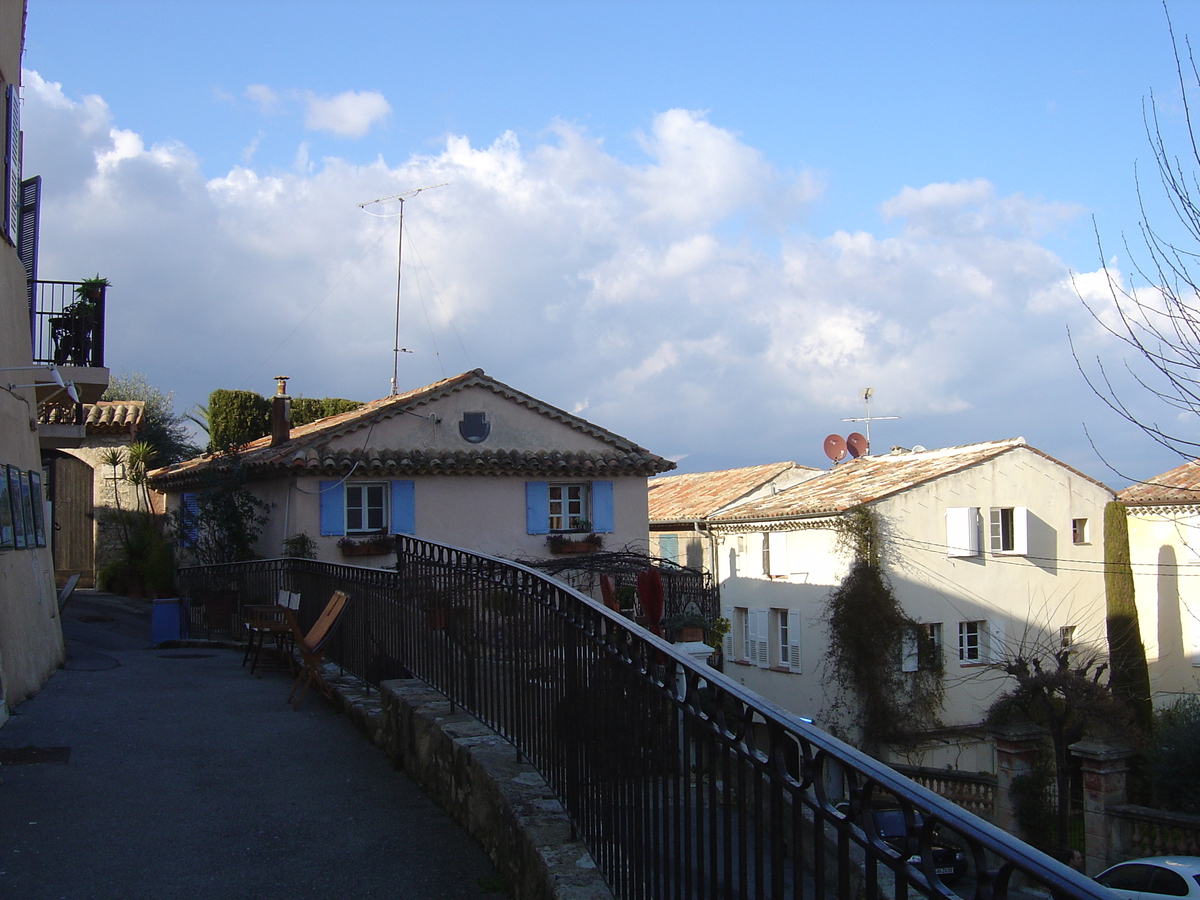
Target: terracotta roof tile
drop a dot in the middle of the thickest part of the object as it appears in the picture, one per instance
(307, 451)
(871, 478)
(684, 498)
(1179, 485)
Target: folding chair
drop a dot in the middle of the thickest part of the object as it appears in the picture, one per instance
(267, 621)
(312, 646)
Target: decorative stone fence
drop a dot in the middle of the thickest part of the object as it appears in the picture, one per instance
(973, 791)
(1140, 831)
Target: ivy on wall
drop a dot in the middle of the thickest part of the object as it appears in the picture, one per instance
(868, 635)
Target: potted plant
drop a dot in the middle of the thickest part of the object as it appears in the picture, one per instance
(580, 539)
(683, 628)
(372, 545)
(72, 328)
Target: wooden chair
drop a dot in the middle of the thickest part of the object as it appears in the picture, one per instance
(266, 621)
(312, 646)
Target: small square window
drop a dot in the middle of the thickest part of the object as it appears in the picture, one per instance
(1066, 636)
(569, 507)
(366, 508)
(1079, 531)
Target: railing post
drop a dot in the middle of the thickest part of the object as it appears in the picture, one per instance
(1017, 747)
(1105, 771)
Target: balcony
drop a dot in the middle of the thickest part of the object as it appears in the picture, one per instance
(67, 330)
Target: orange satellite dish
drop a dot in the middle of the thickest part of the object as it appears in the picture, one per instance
(856, 444)
(835, 447)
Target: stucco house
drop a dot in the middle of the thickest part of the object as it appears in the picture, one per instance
(988, 546)
(681, 505)
(1164, 548)
(468, 461)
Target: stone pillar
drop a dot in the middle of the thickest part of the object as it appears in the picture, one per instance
(1017, 747)
(1105, 768)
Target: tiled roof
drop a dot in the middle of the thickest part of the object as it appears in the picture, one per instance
(685, 498)
(871, 478)
(308, 452)
(102, 417)
(114, 415)
(1180, 485)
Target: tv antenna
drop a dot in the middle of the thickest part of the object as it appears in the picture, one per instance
(398, 198)
(868, 418)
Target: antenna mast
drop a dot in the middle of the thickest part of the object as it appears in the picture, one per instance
(400, 198)
(868, 418)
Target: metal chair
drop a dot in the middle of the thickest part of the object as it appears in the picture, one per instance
(312, 646)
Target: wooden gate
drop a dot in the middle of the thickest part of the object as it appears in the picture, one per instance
(73, 518)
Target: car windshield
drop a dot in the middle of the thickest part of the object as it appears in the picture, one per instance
(890, 822)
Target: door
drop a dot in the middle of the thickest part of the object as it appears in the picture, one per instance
(73, 534)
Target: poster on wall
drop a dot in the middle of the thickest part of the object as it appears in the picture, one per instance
(14, 504)
(7, 534)
(38, 507)
(27, 510)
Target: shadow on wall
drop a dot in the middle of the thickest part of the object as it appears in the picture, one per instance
(1043, 545)
(1170, 624)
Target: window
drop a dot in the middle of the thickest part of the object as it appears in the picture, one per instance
(1079, 531)
(786, 649)
(758, 642)
(1066, 636)
(962, 531)
(367, 507)
(562, 506)
(980, 642)
(970, 641)
(766, 553)
(1009, 530)
(922, 649)
(568, 506)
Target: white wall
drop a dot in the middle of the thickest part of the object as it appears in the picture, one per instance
(1163, 547)
(1024, 598)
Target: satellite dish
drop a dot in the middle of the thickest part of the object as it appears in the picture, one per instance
(835, 447)
(857, 445)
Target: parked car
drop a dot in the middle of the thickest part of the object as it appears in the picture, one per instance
(1154, 877)
(950, 862)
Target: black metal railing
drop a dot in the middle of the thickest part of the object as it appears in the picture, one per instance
(67, 327)
(681, 782)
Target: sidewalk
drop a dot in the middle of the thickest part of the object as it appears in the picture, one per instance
(186, 777)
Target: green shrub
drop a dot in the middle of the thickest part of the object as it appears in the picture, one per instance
(1174, 756)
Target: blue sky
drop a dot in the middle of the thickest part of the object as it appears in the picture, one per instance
(706, 226)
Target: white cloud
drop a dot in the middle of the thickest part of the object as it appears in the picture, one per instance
(588, 281)
(350, 114)
(266, 99)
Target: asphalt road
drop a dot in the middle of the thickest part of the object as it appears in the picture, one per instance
(176, 774)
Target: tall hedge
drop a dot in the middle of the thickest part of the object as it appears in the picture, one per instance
(236, 418)
(1129, 677)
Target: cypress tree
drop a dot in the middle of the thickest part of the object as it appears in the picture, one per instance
(1129, 677)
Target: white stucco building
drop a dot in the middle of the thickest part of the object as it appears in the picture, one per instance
(1164, 548)
(468, 461)
(988, 546)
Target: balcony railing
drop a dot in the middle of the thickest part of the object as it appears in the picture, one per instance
(681, 782)
(67, 329)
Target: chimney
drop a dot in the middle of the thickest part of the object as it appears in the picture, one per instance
(281, 413)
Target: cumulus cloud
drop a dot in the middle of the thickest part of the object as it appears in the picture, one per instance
(350, 114)
(595, 283)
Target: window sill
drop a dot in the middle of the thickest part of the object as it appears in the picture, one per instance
(973, 664)
(785, 670)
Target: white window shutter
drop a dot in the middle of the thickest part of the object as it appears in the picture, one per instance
(1020, 531)
(962, 531)
(793, 647)
(996, 648)
(727, 641)
(909, 659)
(760, 638)
(778, 553)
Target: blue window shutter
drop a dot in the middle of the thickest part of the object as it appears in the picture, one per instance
(404, 507)
(333, 507)
(668, 547)
(537, 507)
(190, 507)
(602, 507)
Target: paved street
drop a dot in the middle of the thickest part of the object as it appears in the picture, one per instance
(184, 776)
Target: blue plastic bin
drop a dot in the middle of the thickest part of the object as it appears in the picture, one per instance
(167, 622)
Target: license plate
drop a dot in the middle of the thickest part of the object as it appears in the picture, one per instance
(946, 871)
